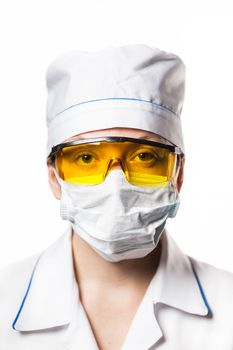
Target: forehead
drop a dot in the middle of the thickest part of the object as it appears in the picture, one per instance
(124, 132)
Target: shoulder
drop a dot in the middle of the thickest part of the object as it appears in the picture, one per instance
(14, 279)
(217, 284)
(212, 275)
(17, 271)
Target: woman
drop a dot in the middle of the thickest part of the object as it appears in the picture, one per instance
(116, 279)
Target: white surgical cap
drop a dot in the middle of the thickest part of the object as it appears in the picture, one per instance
(132, 86)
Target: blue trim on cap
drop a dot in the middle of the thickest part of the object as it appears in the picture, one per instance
(120, 98)
(25, 297)
(201, 290)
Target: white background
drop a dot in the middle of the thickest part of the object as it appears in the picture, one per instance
(33, 33)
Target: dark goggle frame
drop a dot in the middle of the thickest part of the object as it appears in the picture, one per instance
(58, 147)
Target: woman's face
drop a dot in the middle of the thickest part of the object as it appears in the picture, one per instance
(124, 132)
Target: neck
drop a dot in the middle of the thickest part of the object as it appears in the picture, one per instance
(91, 269)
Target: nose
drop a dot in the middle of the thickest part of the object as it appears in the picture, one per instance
(116, 166)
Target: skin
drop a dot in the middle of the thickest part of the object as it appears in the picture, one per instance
(111, 292)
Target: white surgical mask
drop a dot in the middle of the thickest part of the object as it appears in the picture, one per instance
(118, 220)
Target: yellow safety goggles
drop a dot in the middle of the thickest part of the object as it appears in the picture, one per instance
(88, 162)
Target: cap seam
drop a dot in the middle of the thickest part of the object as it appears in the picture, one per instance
(157, 105)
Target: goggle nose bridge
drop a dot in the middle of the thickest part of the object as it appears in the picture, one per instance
(113, 160)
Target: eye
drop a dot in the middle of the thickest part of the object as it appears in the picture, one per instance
(145, 156)
(86, 158)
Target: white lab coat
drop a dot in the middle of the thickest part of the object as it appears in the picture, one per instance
(188, 305)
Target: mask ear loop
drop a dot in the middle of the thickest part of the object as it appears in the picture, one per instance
(59, 179)
(52, 161)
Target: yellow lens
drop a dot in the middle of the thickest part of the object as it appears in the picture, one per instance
(144, 165)
(150, 166)
(80, 164)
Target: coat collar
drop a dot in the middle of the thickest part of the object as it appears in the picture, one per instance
(52, 290)
(48, 299)
(176, 282)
